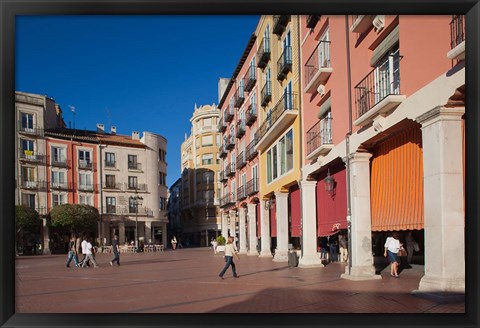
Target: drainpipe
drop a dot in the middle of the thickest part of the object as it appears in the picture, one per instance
(347, 144)
(300, 97)
(100, 184)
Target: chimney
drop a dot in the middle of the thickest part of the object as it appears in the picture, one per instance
(100, 128)
(113, 130)
(135, 135)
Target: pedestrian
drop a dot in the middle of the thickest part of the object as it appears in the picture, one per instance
(410, 243)
(332, 244)
(342, 240)
(392, 246)
(115, 250)
(83, 245)
(89, 254)
(72, 253)
(324, 249)
(230, 251)
(174, 243)
(214, 245)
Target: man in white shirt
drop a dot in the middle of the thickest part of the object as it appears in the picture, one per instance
(89, 254)
(84, 250)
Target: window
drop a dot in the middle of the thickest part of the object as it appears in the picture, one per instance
(132, 162)
(85, 181)
(109, 159)
(162, 155)
(27, 122)
(207, 122)
(132, 205)
(58, 178)
(28, 200)
(110, 181)
(207, 141)
(163, 178)
(324, 50)
(208, 195)
(111, 205)
(85, 199)
(207, 159)
(280, 157)
(387, 74)
(28, 174)
(132, 182)
(197, 160)
(58, 199)
(288, 96)
(27, 146)
(84, 156)
(207, 177)
(218, 139)
(252, 69)
(58, 154)
(163, 203)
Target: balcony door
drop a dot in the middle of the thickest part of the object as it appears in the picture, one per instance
(84, 156)
(387, 74)
(324, 50)
(288, 97)
(27, 122)
(58, 154)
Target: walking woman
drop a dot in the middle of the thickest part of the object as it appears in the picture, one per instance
(72, 253)
(392, 246)
(230, 251)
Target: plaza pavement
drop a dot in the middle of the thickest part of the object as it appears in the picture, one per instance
(186, 281)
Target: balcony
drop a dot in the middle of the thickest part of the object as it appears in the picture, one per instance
(252, 186)
(241, 193)
(361, 23)
(85, 165)
(33, 185)
(31, 157)
(140, 187)
(54, 185)
(29, 130)
(223, 176)
(230, 142)
(228, 114)
(312, 21)
(110, 164)
(317, 68)
(284, 63)
(222, 151)
(457, 37)
(136, 210)
(87, 187)
(241, 160)
(240, 129)
(319, 138)
(135, 166)
(222, 126)
(379, 92)
(112, 186)
(263, 54)
(251, 115)
(228, 199)
(281, 117)
(239, 97)
(266, 94)
(251, 152)
(280, 23)
(59, 162)
(250, 78)
(230, 171)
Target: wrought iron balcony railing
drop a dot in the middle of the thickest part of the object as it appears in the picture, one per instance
(263, 54)
(250, 78)
(251, 114)
(33, 185)
(241, 193)
(54, 185)
(320, 58)
(112, 185)
(85, 165)
(59, 162)
(286, 103)
(222, 151)
(280, 23)
(223, 176)
(230, 170)
(457, 30)
(239, 97)
(252, 186)
(230, 142)
(382, 81)
(136, 187)
(31, 156)
(228, 114)
(241, 160)
(312, 21)
(134, 166)
(222, 126)
(266, 94)
(240, 129)
(110, 164)
(284, 63)
(30, 130)
(251, 152)
(228, 199)
(320, 134)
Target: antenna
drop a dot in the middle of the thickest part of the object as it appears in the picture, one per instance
(109, 115)
(72, 109)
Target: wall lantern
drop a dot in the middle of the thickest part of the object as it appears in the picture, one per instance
(267, 204)
(329, 183)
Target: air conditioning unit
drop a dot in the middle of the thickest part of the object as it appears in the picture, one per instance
(321, 89)
(379, 22)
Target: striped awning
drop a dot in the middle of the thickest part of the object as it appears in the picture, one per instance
(397, 182)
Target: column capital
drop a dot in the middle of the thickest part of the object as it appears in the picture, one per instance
(280, 194)
(308, 183)
(360, 157)
(440, 113)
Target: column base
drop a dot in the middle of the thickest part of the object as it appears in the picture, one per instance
(265, 254)
(253, 253)
(310, 261)
(47, 251)
(429, 284)
(359, 273)
(242, 251)
(280, 256)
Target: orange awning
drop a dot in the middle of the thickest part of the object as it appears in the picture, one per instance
(397, 182)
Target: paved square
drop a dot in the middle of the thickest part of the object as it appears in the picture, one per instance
(186, 281)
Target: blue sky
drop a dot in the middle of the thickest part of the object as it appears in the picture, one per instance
(138, 73)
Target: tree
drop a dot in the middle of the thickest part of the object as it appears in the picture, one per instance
(25, 218)
(74, 217)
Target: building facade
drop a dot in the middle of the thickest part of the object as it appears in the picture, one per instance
(200, 163)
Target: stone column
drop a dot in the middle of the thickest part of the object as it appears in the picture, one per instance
(106, 232)
(281, 252)
(362, 267)
(444, 211)
(224, 224)
(265, 231)
(46, 238)
(309, 256)
(233, 224)
(148, 232)
(252, 229)
(242, 224)
(164, 235)
(121, 232)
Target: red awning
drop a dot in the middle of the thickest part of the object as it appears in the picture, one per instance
(295, 211)
(259, 225)
(273, 218)
(332, 210)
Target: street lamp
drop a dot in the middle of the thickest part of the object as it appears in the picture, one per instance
(329, 183)
(136, 200)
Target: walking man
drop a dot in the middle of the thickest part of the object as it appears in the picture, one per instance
(230, 251)
(115, 250)
(89, 254)
(84, 250)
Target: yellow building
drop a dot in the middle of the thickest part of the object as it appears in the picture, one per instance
(200, 164)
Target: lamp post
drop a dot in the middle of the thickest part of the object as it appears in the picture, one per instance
(136, 200)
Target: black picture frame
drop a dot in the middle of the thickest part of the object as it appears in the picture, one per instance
(9, 9)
